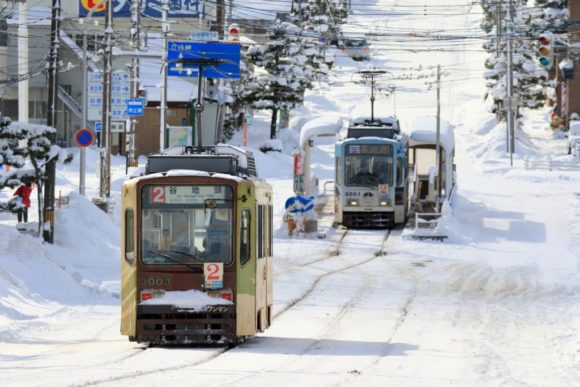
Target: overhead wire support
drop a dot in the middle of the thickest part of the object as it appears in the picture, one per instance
(105, 186)
(369, 76)
(50, 169)
(135, 64)
(511, 102)
(163, 105)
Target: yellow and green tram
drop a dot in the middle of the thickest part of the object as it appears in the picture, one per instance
(196, 252)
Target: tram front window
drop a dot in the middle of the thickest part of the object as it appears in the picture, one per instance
(186, 229)
(368, 170)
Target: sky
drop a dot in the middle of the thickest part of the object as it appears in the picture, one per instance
(496, 303)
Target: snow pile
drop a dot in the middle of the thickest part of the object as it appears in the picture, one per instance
(36, 279)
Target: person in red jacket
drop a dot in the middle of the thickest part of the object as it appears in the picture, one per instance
(23, 192)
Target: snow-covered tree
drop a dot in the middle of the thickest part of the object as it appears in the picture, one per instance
(234, 89)
(528, 76)
(551, 15)
(26, 148)
(284, 68)
(325, 16)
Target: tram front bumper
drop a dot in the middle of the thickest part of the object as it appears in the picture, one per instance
(169, 324)
(369, 219)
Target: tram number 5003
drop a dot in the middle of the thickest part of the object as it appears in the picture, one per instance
(213, 274)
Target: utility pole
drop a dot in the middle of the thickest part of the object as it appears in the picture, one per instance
(511, 105)
(498, 28)
(136, 44)
(163, 105)
(23, 61)
(438, 140)
(220, 18)
(105, 188)
(48, 205)
(230, 11)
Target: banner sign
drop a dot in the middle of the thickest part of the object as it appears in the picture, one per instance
(150, 8)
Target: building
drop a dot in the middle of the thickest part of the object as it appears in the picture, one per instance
(192, 16)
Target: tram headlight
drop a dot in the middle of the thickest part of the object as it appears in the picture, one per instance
(352, 202)
(384, 203)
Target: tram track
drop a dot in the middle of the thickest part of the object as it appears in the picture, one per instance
(333, 253)
(379, 253)
(346, 238)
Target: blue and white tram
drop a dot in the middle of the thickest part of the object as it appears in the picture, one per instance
(371, 184)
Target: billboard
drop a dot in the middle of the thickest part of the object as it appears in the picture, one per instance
(152, 8)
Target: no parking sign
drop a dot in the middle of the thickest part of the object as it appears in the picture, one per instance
(84, 138)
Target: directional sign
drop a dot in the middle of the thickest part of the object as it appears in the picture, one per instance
(120, 82)
(204, 36)
(98, 126)
(135, 107)
(183, 58)
(84, 138)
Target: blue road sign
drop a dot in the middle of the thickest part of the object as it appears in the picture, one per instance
(98, 126)
(135, 107)
(84, 138)
(183, 56)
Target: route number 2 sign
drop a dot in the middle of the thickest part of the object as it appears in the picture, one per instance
(213, 274)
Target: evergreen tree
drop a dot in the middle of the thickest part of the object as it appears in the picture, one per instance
(37, 150)
(234, 103)
(326, 16)
(551, 15)
(285, 67)
(528, 76)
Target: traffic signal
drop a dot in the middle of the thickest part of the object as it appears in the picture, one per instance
(546, 50)
(234, 33)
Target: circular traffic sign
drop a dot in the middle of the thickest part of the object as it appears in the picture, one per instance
(84, 138)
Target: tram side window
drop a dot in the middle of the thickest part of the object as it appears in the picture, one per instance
(245, 237)
(260, 231)
(271, 232)
(130, 236)
(399, 172)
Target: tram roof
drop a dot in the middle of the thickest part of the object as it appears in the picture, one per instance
(219, 159)
(385, 127)
(424, 129)
(190, 173)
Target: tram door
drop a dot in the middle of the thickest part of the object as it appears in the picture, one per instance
(262, 266)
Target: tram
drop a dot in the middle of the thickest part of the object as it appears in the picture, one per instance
(196, 249)
(371, 182)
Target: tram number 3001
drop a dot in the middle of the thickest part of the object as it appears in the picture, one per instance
(352, 194)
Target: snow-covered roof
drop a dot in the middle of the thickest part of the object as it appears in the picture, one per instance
(326, 125)
(424, 132)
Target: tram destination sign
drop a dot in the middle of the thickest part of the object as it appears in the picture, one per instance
(381, 149)
(187, 194)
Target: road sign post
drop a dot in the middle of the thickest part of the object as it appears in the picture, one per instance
(83, 138)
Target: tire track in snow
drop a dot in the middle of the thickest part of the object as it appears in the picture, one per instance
(379, 253)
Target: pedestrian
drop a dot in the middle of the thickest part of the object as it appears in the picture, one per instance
(22, 194)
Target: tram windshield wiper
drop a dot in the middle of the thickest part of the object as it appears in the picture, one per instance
(173, 260)
(194, 257)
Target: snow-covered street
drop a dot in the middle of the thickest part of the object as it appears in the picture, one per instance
(495, 304)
